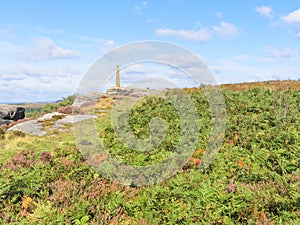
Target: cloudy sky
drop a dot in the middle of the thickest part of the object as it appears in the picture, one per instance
(47, 46)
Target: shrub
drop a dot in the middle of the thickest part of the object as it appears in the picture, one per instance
(64, 102)
(3, 129)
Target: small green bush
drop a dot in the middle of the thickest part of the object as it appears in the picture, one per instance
(54, 106)
(2, 131)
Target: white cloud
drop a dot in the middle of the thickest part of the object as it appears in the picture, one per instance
(153, 20)
(46, 49)
(7, 32)
(144, 4)
(2, 30)
(244, 57)
(203, 34)
(279, 54)
(52, 73)
(105, 45)
(266, 11)
(25, 71)
(30, 83)
(44, 30)
(7, 48)
(139, 9)
(6, 75)
(230, 70)
(219, 14)
(193, 35)
(226, 29)
(155, 75)
(292, 17)
(181, 60)
(137, 68)
(32, 89)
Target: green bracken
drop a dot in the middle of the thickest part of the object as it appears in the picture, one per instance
(254, 179)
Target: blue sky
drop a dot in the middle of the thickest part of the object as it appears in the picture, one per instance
(47, 46)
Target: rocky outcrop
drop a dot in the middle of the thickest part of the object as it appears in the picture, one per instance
(35, 127)
(6, 122)
(9, 113)
(134, 92)
(83, 100)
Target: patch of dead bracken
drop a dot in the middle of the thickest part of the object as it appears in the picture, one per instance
(272, 85)
(275, 85)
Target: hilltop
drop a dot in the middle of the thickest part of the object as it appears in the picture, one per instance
(272, 85)
(254, 179)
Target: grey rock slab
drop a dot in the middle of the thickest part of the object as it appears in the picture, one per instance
(84, 99)
(32, 127)
(49, 116)
(6, 122)
(72, 119)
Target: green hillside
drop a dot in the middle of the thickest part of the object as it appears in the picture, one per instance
(254, 179)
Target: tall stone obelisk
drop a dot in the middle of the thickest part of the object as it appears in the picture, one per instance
(117, 77)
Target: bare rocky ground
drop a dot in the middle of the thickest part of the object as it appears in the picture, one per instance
(36, 126)
(57, 120)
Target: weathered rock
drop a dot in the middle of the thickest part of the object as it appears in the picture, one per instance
(32, 127)
(12, 112)
(49, 116)
(86, 99)
(6, 122)
(72, 119)
(13, 123)
(128, 91)
(35, 127)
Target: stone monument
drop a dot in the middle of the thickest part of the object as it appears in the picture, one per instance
(118, 83)
(117, 89)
